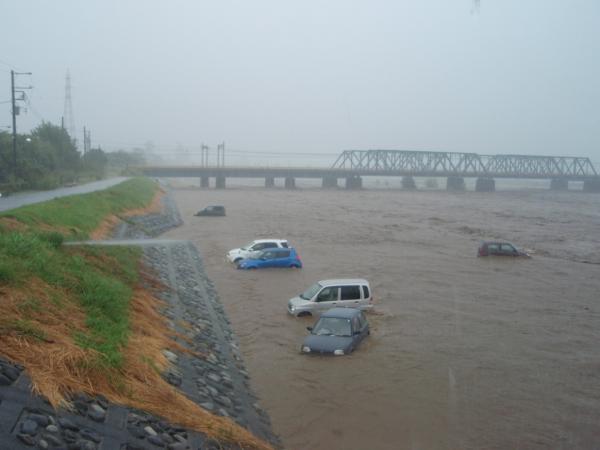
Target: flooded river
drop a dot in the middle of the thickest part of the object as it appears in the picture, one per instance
(465, 352)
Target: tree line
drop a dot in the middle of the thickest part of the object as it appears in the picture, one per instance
(48, 158)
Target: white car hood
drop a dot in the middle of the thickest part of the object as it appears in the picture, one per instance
(298, 301)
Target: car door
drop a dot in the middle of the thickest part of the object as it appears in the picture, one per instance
(356, 332)
(268, 259)
(350, 296)
(364, 326)
(283, 258)
(327, 298)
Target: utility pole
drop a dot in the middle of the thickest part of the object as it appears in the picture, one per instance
(15, 112)
(87, 140)
(221, 154)
(14, 120)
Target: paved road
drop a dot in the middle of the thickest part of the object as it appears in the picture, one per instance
(17, 200)
(141, 242)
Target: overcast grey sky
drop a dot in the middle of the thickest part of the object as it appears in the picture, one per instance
(313, 77)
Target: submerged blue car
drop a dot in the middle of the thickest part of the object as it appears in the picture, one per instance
(273, 257)
(337, 332)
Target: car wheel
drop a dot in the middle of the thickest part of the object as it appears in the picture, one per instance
(304, 314)
(237, 260)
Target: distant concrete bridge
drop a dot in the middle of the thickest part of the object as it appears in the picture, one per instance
(352, 165)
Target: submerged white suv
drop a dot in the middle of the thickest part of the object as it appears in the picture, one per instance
(237, 254)
(326, 294)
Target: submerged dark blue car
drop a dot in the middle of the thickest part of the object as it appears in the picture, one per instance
(272, 257)
(339, 331)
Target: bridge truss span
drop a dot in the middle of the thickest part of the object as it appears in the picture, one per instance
(428, 163)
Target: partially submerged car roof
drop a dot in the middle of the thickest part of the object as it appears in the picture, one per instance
(258, 241)
(343, 313)
(337, 281)
(496, 241)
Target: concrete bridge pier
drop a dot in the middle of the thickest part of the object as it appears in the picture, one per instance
(220, 182)
(591, 185)
(354, 182)
(408, 183)
(484, 184)
(290, 183)
(204, 181)
(455, 184)
(269, 182)
(329, 182)
(559, 184)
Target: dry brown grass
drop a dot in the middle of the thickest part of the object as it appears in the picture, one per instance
(104, 229)
(59, 368)
(10, 224)
(155, 206)
(36, 332)
(108, 224)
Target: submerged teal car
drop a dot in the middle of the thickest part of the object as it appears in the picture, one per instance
(338, 332)
(273, 257)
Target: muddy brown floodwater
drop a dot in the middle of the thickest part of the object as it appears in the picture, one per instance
(464, 353)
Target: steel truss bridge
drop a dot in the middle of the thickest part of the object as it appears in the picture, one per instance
(352, 165)
(450, 164)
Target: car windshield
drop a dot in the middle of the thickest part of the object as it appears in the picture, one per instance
(247, 246)
(311, 291)
(332, 326)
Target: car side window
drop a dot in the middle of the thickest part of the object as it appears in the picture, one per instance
(283, 254)
(493, 248)
(355, 324)
(284, 244)
(267, 255)
(507, 248)
(256, 247)
(329, 294)
(362, 321)
(366, 292)
(350, 293)
(269, 245)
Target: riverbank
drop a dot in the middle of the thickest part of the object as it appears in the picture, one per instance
(204, 365)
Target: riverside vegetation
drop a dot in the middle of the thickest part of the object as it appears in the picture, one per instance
(81, 318)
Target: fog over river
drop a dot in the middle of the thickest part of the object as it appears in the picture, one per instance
(465, 352)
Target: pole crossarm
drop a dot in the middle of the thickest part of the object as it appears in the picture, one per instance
(428, 163)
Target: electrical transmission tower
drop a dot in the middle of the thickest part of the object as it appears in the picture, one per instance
(68, 117)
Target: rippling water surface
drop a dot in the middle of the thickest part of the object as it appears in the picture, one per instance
(465, 352)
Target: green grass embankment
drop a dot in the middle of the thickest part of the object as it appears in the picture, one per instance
(99, 279)
(76, 216)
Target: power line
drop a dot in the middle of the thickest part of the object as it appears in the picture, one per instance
(33, 110)
(9, 65)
